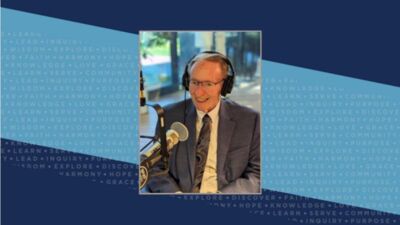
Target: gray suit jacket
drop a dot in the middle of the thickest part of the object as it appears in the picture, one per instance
(238, 151)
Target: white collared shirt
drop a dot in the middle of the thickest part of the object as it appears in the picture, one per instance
(209, 182)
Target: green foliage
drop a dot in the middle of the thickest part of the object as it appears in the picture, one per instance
(155, 43)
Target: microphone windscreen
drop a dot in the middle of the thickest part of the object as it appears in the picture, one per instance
(181, 130)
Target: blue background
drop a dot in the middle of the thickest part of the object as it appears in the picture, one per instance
(317, 58)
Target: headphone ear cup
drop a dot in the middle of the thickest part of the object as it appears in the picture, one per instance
(228, 85)
(185, 80)
(230, 79)
(223, 90)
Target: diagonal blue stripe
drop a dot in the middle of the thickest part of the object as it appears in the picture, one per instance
(69, 86)
(331, 137)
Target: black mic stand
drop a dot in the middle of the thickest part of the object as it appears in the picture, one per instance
(144, 165)
(161, 134)
(141, 93)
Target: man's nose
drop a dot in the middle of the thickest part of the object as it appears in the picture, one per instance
(199, 90)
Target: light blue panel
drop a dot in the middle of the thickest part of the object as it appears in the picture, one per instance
(331, 137)
(69, 85)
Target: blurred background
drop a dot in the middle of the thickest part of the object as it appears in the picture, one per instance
(164, 55)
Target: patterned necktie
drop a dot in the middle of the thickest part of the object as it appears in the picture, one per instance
(202, 151)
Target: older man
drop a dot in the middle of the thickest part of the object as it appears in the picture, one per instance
(222, 154)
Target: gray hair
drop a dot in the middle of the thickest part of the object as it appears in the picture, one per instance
(212, 57)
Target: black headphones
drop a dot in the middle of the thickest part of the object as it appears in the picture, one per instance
(229, 80)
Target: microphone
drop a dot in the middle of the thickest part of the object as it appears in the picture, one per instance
(177, 133)
(141, 93)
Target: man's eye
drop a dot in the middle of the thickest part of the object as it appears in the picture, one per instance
(209, 84)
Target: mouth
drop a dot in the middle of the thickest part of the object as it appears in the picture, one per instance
(202, 100)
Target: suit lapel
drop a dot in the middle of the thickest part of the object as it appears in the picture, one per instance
(225, 131)
(191, 142)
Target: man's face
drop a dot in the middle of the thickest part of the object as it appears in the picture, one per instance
(203, 97)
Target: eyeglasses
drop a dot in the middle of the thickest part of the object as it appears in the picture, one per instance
(205, 84)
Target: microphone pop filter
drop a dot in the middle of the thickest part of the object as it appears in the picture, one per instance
(181, 130)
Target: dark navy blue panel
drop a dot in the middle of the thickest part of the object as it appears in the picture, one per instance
(352, 38)
(39, 195)
(36, 190)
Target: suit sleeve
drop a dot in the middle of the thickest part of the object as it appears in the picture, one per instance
(249, 182)
(161, 181)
